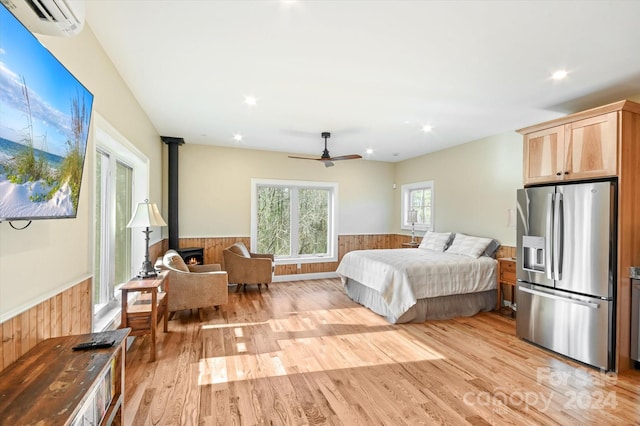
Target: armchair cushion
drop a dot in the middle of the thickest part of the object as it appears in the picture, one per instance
(240, 249)
(173, 260)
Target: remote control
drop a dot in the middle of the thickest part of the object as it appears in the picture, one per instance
(94, 344)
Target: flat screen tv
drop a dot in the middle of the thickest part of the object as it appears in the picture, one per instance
(44, 124)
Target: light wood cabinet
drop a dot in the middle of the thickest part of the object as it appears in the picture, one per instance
(600, 142)
(583, 149)
(591, 147)
(544, 155)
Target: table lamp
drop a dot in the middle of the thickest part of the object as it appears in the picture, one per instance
(146, 215)
(413, 218)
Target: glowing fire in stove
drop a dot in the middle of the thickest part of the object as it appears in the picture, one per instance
(192, 260)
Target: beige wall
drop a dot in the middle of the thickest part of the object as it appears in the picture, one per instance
(215, 189)
(475, 184)
(51, 255)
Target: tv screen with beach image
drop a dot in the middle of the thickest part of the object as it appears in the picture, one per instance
(44, 125)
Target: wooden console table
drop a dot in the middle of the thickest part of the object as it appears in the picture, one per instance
(54, 385)
(143, 314)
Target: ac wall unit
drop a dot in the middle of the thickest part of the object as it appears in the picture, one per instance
(49, 17)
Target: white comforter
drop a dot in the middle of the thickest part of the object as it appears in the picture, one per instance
(402, 276)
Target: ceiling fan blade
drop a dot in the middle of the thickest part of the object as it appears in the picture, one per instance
(304, 158)
(346, 157)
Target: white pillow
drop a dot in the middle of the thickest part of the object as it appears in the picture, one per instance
(468, 245)
(435, 241)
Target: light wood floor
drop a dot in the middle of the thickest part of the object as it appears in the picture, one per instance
(303, 353)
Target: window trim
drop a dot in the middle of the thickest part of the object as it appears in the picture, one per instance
(332, 240)
(109, 140)
(404, 207)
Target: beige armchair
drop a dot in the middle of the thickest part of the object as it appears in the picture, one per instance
(247, 268)
(194, 286)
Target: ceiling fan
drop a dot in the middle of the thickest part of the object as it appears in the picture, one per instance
(325, 157)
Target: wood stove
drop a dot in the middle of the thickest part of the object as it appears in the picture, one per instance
(192, 255)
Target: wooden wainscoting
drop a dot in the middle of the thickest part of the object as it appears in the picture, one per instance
(213, 247)
(506, 251)
(64, 314)
(158, 250)
(68, 312)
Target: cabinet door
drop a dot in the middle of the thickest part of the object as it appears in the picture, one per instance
(544, 155)
(591, 147)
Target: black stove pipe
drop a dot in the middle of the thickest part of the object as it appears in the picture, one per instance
(173, 144)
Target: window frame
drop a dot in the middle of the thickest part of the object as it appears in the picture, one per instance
(406, 204)
(332, 238)
(109, 141)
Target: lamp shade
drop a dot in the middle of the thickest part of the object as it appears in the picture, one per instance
(412, 216)
(146, 215)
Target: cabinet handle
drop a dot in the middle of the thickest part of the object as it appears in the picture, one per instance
(558, 174)
(566, 173)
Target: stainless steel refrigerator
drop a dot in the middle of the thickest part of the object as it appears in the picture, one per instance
(566, 270)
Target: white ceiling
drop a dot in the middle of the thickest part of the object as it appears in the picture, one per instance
(370, 72)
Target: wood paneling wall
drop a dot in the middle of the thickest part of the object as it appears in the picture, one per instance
(213, 250)
(506, 251)
(157, 250)
(64, 314)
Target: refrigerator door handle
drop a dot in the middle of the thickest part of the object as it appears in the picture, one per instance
(548, 238)
(558, 236)
(556, 297)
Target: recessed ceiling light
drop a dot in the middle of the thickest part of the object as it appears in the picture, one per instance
(250, 100)
(426, 128)
(237, 137)
(559, 75)
(369, 151)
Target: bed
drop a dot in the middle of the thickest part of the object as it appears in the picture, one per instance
(435, 281)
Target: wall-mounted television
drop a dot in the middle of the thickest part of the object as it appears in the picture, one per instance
(45, 114)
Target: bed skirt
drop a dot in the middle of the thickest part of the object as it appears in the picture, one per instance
(435, 308)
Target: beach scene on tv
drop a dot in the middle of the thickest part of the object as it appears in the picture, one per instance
(44, 122)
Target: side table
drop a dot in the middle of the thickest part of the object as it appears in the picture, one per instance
(410, 245)
(506, 276)
(143, 314)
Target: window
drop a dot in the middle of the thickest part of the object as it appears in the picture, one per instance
(113, 242)
(418, 197)
(294, 220)
(118, 166)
